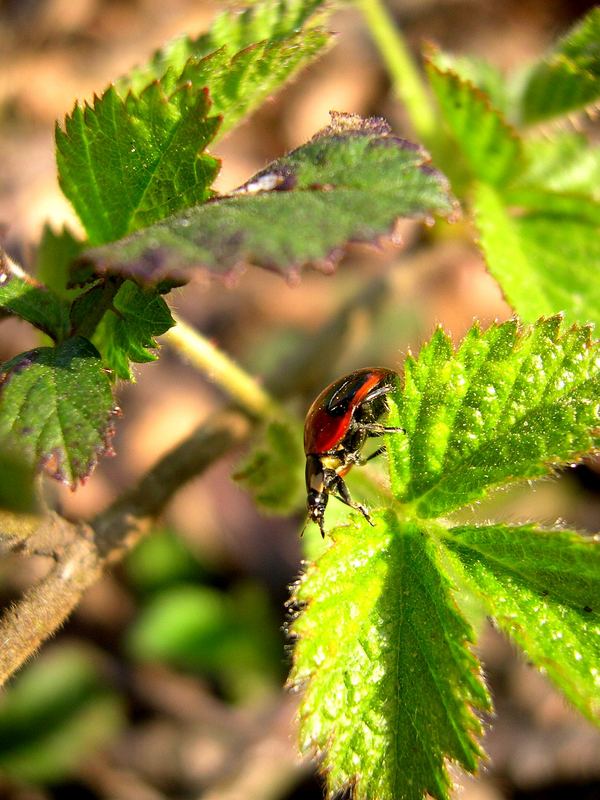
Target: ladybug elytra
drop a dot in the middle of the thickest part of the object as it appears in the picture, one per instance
(337, 425)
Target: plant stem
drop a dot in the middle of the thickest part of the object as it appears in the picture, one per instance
(221, 369)
(403, 71)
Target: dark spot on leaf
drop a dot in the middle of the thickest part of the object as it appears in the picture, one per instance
(587, 609)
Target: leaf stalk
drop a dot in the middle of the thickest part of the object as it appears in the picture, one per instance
(402, 68)
(222, 370)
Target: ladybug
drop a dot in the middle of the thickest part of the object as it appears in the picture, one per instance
(337, 425)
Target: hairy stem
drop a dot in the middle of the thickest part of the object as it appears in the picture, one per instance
(221, 369)
(403, 71)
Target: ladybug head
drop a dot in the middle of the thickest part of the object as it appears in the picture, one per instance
(316, 502)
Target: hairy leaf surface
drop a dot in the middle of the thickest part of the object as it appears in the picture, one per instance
(23, 296)
(351, 182)
(546, 257)
(384, 658)
(55, 407)
(125, 163)
(272, 28)
(507, 405)
(568, 78)
(127, 333)
(542, 588)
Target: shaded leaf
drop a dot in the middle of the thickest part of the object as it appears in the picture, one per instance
(384, 660)
(125, 333)
(59, 710)
(546, 258)
(507, 405)
(17, 491)
(125, 163)
(24, 297)
(351, 182)
(542, 588)
(54, 257)
(55, 408)
(273, 472)
(568, 78)
(488, 146)
(231, 638)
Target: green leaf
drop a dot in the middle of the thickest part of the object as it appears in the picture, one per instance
(273, 28)
(57, 712)
(273, 472)
(508, 405)
(568, 78)
(564, 163)
(489, 147)
(351, 182)
(473, 70)
(160, 560)
(126, 333)
(17, 491)
(55, 408)
(54, 257)
(542, 588)
(125, 163)
(543, 257)
(24, 297)
(384, 660)
(239, 83)
(230, 637)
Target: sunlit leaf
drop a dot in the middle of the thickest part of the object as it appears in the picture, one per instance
(127, 332)
(542, 588)
(384, 660)
(351, 182)
(546, 257)
(125, 163)
(507, 405)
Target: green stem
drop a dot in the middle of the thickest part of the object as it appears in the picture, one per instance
(403, 71)
(222, 370)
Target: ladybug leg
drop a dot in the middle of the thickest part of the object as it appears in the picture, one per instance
(376, 429)
(344, 495)
(374, 454)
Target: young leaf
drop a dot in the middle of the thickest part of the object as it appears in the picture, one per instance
(542, 257)
(265, 24)
(568, 78)
(23, 296)
(351, 182)
(55, 407)
(487, 144)
(383, 656)
(239, 83)
(542, 588)
(507, 405)
(125, 163)
(126, 333)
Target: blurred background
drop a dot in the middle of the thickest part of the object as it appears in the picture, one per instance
(166, 682)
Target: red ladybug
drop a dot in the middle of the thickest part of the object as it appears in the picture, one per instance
(337, 425)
